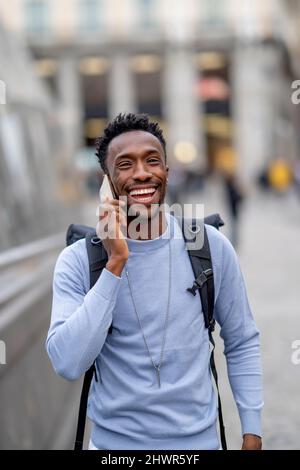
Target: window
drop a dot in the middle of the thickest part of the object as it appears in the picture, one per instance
(146, 12)
(90, 19)
(147, 75)
(94, 80)
(37, 16)
(214, 12)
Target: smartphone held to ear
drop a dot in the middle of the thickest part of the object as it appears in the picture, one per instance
(105, 190)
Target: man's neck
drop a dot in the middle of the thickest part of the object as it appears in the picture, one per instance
(153, 228)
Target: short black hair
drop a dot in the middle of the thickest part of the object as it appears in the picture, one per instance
(126, 123)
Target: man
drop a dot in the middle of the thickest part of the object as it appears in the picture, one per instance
(154, 389)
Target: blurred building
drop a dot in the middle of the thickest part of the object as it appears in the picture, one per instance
(29, 148)
(209, 70)
(290, 18)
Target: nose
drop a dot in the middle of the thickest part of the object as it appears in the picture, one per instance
(141, 172)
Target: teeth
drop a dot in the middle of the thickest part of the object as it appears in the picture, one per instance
(135, 192)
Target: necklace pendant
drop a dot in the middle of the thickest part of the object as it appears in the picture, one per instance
(157, 368)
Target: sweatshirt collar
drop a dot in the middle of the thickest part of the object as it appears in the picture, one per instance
(155, 243)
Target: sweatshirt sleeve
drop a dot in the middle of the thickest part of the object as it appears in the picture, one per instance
(79, 320)
(241, 341)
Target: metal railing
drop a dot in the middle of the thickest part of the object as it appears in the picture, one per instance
(25, 278)
(30, 250)
(40, 420)
(23, 267)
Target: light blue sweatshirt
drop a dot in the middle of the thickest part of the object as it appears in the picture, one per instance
(128, 409)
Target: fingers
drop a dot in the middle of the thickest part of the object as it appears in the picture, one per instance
(121, 219)
(111, 219)
(108, 207)
(108, 214)
(110, 227)
(114, 202)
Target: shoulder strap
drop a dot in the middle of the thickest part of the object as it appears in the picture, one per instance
(202, 267)
(88, 376)
(97, 257)
(204, 282)
(97, 260)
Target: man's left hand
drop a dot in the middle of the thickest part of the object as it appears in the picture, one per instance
(251, 442)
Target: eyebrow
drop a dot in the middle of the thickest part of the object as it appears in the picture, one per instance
(148, 152)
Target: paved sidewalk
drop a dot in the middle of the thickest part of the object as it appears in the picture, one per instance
(269, 253)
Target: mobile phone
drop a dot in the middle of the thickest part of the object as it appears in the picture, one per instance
(105, 190)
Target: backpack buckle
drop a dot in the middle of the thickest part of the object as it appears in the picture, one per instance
(194, 228)
(200, 281)
(96, 241)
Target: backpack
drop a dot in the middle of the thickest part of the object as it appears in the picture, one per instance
(204, 283)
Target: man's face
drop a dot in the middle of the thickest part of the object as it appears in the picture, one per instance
(137, 168)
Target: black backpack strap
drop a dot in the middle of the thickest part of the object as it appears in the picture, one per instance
(215, 375)
(204, 282)
(97, 260)
(97, 257)
(88, 376)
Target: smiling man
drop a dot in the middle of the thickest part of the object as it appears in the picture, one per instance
(135, 163)
(154, 388)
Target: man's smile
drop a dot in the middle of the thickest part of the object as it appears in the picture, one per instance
(145, 194)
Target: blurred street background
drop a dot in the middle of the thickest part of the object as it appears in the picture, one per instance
(222, 79)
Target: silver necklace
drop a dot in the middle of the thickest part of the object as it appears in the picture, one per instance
(157, 366)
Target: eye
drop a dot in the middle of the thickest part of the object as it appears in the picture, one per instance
(124, 165)
(153, 160)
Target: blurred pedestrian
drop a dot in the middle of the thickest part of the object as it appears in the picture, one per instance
(176, 183)
(280, 175)
(235, 196)
(226, 164)
(297, 176)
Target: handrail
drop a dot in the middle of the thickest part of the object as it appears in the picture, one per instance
(24, 280)
(29, 250)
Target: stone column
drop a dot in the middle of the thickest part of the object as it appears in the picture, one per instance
(256, 85)
(70, 103)
(180, 104)
(121, 86)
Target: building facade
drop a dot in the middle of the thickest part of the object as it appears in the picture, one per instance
(208, 70)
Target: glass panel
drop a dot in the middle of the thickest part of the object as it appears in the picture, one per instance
(146, 12)
(37, 15)
(90, 18)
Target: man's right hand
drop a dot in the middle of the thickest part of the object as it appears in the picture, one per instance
(109, 229)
